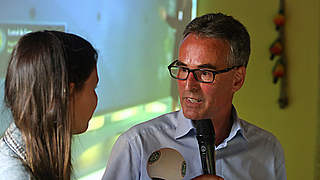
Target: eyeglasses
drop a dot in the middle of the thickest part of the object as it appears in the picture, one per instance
(201, 75)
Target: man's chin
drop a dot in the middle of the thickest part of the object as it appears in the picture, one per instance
(192, 115)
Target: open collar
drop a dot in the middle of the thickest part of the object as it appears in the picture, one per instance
(185, 127)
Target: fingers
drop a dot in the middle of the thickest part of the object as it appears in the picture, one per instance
(208, 177)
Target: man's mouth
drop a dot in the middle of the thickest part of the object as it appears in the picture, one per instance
(193, 100)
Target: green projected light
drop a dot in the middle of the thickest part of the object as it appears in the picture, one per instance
(124, 114)
(93, 147)
(96, 123)
(2, 40)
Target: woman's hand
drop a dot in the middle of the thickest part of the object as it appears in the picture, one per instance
(208, 177)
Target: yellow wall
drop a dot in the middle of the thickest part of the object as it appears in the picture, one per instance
(296, 126)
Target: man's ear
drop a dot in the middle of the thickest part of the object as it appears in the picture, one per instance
(238, 78)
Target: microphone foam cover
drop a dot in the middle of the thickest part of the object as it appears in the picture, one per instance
(166, 163)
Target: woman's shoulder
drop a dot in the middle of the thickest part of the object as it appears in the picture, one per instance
(11, 166)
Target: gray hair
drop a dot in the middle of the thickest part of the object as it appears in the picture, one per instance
(227, 28)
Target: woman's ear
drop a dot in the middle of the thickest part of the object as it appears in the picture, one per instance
(71, 88)
(238, 78)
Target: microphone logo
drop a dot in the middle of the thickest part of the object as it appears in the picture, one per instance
(154, 157)
(203, 148)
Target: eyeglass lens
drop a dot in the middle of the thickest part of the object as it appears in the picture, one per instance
(182, 73)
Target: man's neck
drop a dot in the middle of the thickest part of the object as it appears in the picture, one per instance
(222, 126)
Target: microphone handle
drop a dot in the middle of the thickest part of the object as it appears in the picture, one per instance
(207, 154)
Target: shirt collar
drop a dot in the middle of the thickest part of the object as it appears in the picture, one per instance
(185, 126)
(235, 129)
(14, 140)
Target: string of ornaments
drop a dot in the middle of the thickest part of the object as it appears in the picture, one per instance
(277, 51)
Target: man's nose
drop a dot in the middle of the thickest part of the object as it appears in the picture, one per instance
(191, 82)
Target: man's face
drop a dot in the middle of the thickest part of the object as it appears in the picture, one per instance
(205, 100)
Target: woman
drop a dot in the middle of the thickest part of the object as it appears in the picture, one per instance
(50, 90)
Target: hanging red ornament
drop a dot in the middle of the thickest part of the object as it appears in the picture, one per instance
(279, 20)
(276, 49)
(278, 71)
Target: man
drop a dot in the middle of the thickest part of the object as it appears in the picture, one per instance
(211, 67)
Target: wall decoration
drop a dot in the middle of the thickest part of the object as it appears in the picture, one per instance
(277, 51)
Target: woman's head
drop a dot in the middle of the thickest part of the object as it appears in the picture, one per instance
(45, 70)
(83, 79)
(47, 73)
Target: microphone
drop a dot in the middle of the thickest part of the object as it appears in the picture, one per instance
(206, 140)
(166, 164)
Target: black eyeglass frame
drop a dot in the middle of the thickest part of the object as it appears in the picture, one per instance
(194, 74)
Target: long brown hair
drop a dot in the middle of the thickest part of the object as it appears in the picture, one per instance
(41, 68)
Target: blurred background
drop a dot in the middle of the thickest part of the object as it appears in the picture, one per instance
(136, 40)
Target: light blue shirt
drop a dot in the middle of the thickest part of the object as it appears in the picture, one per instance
(249, 153)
